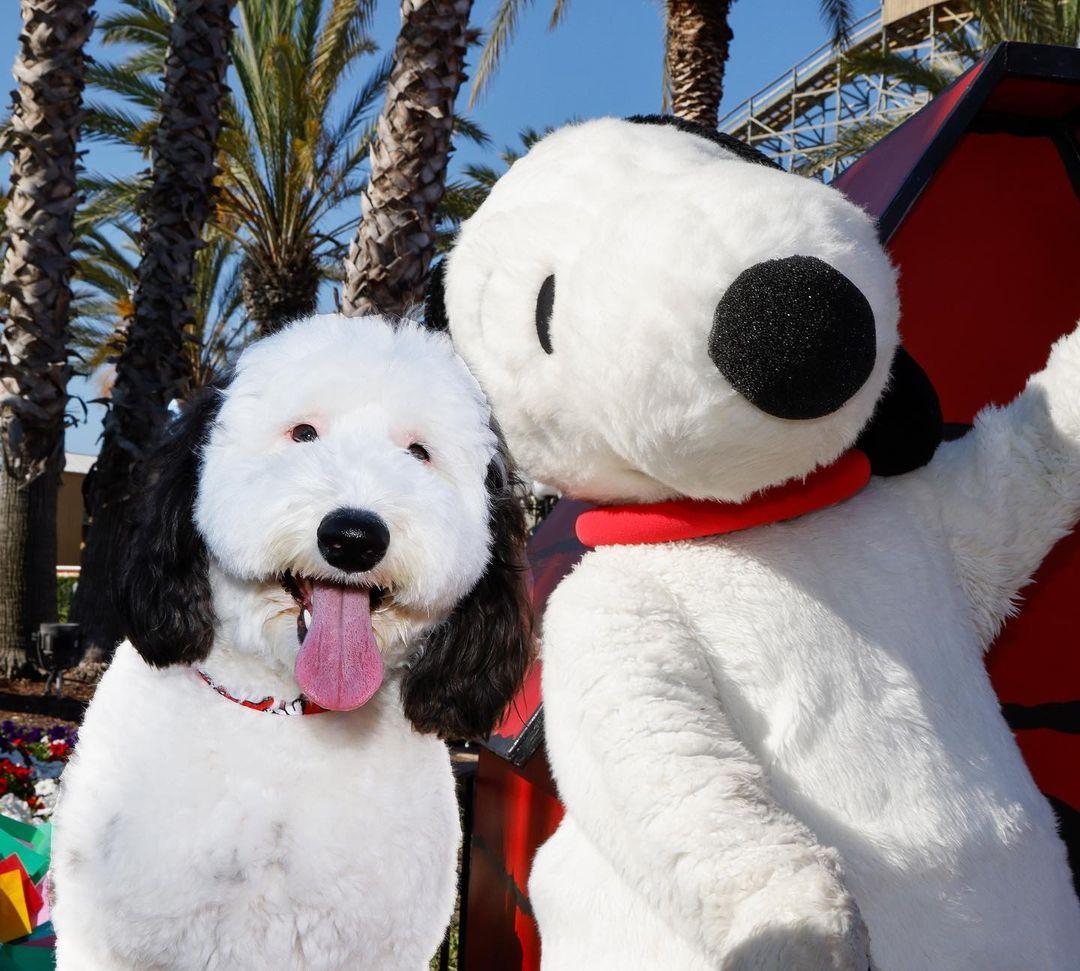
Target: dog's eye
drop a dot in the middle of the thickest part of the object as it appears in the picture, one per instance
(420, 452)
(545, 304)
(303, 433)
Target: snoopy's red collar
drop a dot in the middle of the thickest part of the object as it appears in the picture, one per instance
(270, 705)
(665, 522)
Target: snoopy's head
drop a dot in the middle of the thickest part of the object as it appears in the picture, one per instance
(340, 507)
(657, 311)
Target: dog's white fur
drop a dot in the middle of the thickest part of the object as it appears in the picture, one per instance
(193, 833)
(766, 739)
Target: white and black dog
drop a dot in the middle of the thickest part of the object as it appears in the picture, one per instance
(332, 533)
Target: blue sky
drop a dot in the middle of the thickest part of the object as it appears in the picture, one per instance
(604, 59)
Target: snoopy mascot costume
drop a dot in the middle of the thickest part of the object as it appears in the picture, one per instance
(766, 707)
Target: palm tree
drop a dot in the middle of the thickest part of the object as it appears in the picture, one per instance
(151, 369)
(105, 274)
(695, 53)
(43, 138)
(281, 193)
(290, 153)
(387, 265)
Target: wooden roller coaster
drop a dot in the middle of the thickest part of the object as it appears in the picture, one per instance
(799, 118)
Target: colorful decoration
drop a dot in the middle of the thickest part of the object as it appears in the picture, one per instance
(26, 934)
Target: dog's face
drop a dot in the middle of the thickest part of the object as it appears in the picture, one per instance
(351, 453)
(655, 315)
(352, 502)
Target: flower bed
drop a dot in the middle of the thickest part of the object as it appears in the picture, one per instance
(31, 760)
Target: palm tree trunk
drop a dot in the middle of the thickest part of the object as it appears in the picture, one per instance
(41, 545)
(698, 36)
(28, 561)
(152, 369)
(14, 519)
(387, 265)
(92, 603)
(36, 284)
(282, 288)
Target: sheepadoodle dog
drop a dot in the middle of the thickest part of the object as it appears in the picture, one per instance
(327, 576)
(778, 746)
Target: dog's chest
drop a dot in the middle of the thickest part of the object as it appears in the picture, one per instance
(288, 816)
(308, 840)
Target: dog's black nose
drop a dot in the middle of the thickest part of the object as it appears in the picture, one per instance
(353, 540)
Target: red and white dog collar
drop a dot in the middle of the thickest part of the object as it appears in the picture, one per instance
(270, 705)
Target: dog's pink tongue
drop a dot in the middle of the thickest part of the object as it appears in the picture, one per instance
(339, 666)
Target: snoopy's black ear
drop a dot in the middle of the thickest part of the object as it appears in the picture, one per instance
(724, 140)
(163, 589)
(472, 665)
(907, 426)
(435, 301)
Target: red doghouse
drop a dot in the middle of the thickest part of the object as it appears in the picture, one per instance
(978, 200)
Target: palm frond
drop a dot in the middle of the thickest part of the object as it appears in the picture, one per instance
(471, 131)
(899, 67)
(141, 22)
(460, 201)
(109, 199)
(358, 110)
(133, 86)
(558, 12)
(117, 257)
(1032, 21)
(340, 41)
(503, 26)
(482, 176)
(853, 140)
(148, 61)
(530, 136)
(838, 16)
(308, 15)
(103, 122)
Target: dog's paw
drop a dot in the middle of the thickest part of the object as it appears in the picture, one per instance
(802, 918)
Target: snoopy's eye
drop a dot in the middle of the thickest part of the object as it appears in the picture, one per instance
(545, 304)
(303, 433)
(420, 452)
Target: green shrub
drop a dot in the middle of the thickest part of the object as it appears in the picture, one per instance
(65, 589)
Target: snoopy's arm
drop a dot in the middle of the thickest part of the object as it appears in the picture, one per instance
(653, 773)
(1010, 488)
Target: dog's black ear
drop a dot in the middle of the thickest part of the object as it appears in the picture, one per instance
(907, 425)
(163, 593)
(472, 664)
(435, 300)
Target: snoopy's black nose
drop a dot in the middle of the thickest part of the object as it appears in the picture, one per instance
(795, 337)
(353, 540)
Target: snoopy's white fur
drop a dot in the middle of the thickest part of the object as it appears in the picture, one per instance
(193, 833)
(778, 749)
(644, 228)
